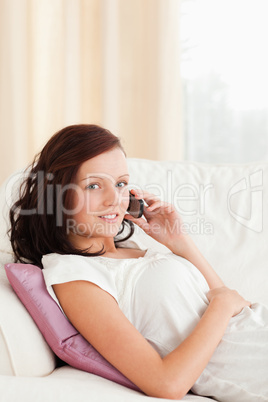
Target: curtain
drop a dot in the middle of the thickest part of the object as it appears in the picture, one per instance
(108, 62)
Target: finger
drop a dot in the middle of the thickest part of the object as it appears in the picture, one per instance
(152, 201)
(142, 223)
(155, 205)
(160, 207)
(149, 198)
(164, 206)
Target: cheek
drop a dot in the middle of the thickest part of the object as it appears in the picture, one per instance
(91, 202)
(124, 200)
(83, 203)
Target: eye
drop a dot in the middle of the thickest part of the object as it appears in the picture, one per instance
(122, 184)
(92, 186)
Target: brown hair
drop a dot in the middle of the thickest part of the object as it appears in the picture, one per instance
(34, 228)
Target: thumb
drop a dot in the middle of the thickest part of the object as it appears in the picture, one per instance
(141, 222)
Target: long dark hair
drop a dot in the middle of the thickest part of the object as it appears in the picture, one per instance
(34, 228)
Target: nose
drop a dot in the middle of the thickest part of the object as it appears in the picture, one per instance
(111, 197)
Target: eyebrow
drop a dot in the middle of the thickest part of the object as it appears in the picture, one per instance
(100, 177)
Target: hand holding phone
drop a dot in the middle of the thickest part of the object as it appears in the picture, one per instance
(135, 207)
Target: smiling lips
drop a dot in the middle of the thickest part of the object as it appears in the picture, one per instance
(112, 218)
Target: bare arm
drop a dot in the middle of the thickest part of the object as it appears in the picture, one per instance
(98, 318)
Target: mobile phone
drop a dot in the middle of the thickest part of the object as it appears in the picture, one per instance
(135, 207)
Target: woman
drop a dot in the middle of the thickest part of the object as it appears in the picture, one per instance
(166, 321)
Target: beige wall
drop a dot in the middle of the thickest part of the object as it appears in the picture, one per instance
(110, 62)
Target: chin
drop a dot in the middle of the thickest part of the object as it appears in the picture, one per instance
(110, 232)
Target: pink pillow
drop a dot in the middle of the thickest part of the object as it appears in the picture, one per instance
(28, 282)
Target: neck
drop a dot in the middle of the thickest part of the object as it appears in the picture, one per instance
(95, 244)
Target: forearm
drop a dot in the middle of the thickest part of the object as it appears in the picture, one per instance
(186, 248)
(185, 364)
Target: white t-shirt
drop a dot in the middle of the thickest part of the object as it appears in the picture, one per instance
(149, 290)
(164, 297)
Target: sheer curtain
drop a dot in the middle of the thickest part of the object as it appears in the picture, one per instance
(109, 62)
(225, 82)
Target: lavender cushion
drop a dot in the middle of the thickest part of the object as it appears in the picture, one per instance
(28, 282)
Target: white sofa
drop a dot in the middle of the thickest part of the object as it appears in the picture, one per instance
(224, 209)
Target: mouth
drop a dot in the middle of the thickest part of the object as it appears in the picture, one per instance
(110, 218)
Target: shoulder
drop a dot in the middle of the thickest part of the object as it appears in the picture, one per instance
(55, 257)
(69, 267)
(59, 269)
(68, 261)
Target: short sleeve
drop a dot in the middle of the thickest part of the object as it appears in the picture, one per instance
(59, 268)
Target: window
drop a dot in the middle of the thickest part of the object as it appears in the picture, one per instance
(225, 80)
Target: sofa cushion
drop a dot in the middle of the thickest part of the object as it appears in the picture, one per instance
(23, 349)
(28, 282)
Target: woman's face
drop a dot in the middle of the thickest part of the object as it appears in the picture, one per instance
(101, 196)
